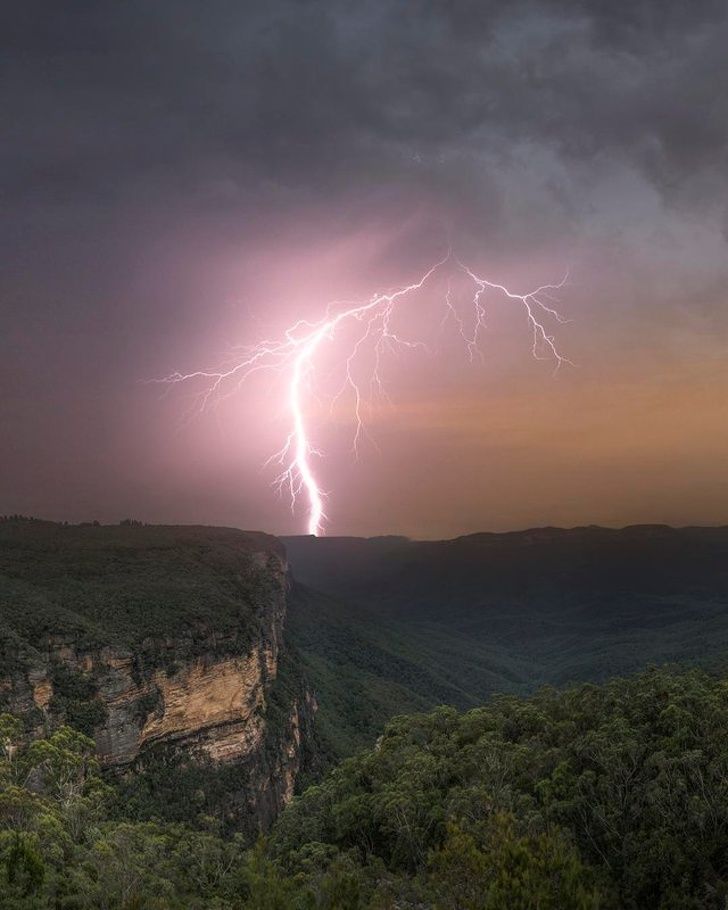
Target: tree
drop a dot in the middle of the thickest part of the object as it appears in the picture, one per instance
(510, 870)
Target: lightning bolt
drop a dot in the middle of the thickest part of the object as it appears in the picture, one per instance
(296, 351)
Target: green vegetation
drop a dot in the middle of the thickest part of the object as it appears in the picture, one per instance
(611, 797)
(619, 791)
(58, 848)
(130, 586)
(75, 699)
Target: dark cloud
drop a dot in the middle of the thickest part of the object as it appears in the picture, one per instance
(103, 97)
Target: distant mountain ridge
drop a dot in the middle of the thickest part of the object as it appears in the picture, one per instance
(490, 569)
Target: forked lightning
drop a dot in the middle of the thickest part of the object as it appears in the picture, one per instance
(295, 354)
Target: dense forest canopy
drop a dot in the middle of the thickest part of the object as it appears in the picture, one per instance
(611, 796)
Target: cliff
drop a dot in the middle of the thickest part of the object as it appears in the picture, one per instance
(167, 646)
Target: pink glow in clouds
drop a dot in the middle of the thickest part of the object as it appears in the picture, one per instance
(297, 354)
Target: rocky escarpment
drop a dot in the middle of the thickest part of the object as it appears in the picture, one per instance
(167, 645)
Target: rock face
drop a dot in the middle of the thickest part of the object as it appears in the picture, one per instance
(208, 692)
(221, 702)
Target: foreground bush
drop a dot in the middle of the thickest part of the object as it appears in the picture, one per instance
(598, 796)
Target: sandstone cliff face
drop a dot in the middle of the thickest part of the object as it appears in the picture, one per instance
(210, 695)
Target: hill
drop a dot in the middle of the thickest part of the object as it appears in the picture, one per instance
(390, 624)
(121, 584)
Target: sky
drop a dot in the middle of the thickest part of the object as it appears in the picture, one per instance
(180, 180)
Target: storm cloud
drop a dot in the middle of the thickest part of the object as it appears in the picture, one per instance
(218, 98)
